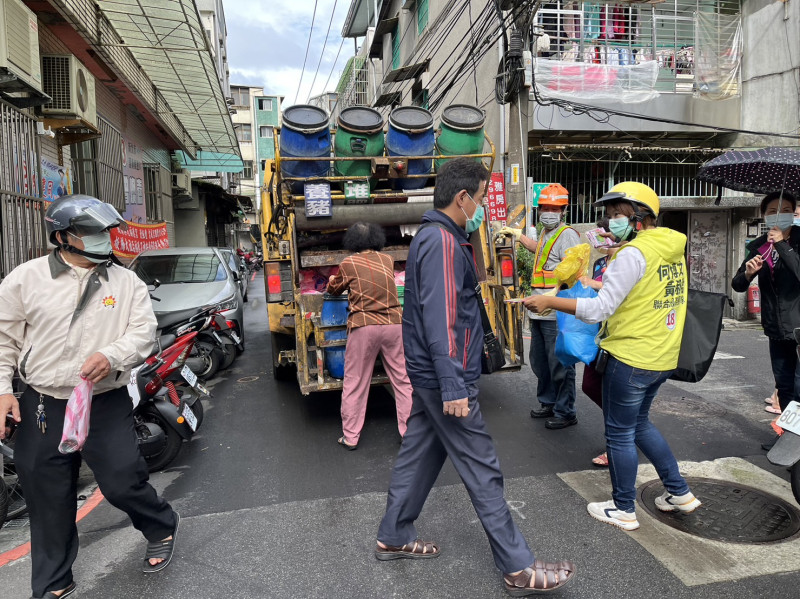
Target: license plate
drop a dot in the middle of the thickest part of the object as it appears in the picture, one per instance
(188, 375)
(190, 418)
(201, 388)
(790, 418)
(235, 337)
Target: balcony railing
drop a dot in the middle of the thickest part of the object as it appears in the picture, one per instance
(694, 42)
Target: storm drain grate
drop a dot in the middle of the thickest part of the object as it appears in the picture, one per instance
(731, 512)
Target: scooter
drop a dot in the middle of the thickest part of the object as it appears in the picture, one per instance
(207, 354)
(167, 408)
(786, 451)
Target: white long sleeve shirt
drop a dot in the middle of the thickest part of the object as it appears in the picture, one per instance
(52, 320)
(622, 273)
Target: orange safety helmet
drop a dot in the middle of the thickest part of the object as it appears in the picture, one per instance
(554, 195)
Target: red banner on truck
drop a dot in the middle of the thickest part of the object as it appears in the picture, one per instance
(496, 198)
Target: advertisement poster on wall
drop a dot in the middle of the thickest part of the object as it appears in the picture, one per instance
(56, 181)
(133, 179)
(496, 198)
(138, 238)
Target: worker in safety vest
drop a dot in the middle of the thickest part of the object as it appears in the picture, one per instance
(555, 388)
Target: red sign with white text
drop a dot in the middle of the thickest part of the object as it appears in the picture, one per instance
(138, 238)
(496, 198)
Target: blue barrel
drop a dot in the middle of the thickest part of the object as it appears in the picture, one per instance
(305, 134)
(335, 309)
(411, 134)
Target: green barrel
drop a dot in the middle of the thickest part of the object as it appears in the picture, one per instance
(360, 133)
(460, 132)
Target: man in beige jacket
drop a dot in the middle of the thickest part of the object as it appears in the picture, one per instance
(77, 313)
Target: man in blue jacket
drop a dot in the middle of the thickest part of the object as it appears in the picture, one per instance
(443, 342)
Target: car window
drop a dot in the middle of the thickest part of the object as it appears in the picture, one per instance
(232, 262)
(180, 268)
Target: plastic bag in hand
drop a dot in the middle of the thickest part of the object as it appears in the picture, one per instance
(575, 341)
(76, 418)
(574, 265)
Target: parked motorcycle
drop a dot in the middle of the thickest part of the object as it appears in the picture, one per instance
(208, 353)
(786, 451)
(166, 396)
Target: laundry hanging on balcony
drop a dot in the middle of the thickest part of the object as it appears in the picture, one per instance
(619, 80)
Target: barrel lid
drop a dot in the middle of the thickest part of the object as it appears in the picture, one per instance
(411, 118)
(304, 116)
(463, 116)
(360, 118)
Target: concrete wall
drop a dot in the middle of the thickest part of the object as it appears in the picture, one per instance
(190, 222)
(770, 70)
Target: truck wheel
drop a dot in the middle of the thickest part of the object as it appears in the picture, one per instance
(280, 342)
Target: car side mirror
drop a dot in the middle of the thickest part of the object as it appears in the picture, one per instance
(236, 276)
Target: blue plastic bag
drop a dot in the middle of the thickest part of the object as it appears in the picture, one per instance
(575, 340)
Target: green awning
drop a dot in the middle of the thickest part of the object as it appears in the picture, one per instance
(217, 162)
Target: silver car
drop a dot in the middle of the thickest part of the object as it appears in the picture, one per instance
(191, 277)
(235, 264)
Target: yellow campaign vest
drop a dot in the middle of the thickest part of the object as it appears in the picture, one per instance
(647, 328)
(541, 278)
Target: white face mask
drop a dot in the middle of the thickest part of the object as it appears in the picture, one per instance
(783, 221)
(549, 219)
(99, 243)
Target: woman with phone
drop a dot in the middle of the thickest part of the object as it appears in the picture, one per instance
(774, 258)
(643, 304)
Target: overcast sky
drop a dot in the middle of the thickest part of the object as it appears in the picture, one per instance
(267, 42)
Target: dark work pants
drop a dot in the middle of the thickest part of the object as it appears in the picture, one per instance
(786, 369)
(49, 481)
(555, 386)
(431, 437)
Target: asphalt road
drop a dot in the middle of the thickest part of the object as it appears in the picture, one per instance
(273, 507)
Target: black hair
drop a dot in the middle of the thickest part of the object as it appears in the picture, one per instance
(362, 236)
(774, 196)
(455, 175)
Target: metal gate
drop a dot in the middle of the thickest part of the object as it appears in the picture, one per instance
(22, 231)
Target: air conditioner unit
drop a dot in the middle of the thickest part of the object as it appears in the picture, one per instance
(19, 42)
(71, 87)
(182, 180)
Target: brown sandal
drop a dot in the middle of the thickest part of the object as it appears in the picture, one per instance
(415, 550)
(541, 577)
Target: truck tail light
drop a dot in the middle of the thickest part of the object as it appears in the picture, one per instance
(273, 278)
(506, 269)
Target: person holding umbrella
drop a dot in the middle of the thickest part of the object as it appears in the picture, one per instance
(775, 258)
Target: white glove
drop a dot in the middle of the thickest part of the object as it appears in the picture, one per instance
(514, 233)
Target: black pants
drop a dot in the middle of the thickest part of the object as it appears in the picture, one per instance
(786, 369)
(50, 481)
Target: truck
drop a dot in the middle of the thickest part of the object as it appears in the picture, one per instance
(301, 249)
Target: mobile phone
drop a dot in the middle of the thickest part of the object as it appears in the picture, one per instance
(602, 361)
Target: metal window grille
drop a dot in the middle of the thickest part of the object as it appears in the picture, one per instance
(110, 179)
(22, 230)
(353, 88)
(587, 180)
(629, 33)
(152, 192)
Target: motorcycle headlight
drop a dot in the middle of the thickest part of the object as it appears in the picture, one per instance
(229, 304)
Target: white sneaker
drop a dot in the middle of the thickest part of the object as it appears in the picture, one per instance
(606, 511)
(678, 503)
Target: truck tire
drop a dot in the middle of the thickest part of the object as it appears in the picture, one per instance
(280, 342)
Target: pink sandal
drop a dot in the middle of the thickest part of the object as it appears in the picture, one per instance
(601, 460)
(772, 410)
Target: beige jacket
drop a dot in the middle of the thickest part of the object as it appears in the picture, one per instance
(51, 322)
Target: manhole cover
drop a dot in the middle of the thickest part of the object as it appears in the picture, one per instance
(730, 512)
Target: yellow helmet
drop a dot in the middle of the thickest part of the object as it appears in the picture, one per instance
(635, 193)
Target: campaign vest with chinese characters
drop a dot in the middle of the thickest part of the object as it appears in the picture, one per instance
(647, 328)
(541, 278)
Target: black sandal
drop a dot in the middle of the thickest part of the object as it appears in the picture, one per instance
(347, 445)
(414, 550)
(65, 593)
(162, 550)
(541, 577)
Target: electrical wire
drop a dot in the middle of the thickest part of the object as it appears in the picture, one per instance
(322, 54)
(308, 45)
(333, 66)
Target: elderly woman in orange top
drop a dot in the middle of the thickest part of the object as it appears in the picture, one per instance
(373, 327)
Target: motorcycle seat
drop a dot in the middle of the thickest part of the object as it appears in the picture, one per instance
(166, 340)
(168, 319)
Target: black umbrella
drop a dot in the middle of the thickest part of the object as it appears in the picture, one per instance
(756, 171)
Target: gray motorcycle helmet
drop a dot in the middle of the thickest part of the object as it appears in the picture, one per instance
(81, 214)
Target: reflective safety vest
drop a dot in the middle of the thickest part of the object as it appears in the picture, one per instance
(541, 278)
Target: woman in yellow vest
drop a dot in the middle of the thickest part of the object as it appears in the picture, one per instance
(643, 304)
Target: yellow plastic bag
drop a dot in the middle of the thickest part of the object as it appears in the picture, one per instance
(574, 265)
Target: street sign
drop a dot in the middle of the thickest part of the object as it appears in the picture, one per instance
(496, 198)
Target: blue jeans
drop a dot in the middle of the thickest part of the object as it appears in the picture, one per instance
(628, 393)
(555, 382)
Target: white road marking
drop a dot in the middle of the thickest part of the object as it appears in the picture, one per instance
(723, 356)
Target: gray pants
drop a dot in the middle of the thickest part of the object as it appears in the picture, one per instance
(431, 437)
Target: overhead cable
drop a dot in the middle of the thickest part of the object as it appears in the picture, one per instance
(308, 45)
